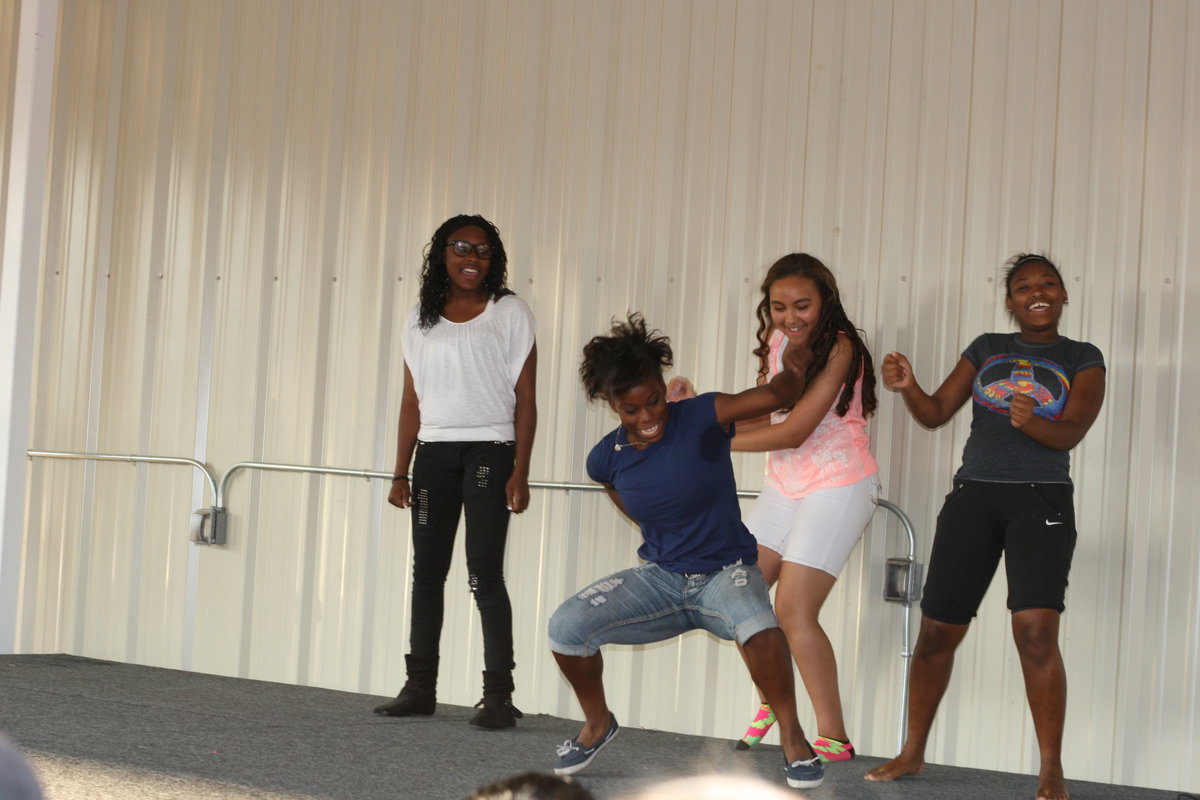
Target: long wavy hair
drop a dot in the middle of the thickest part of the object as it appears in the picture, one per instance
(833, 320)
(629, 355)
(435, 281)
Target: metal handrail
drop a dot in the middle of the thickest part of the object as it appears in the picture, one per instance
(200, 465)
(275, 467)
(906, 522)
(211, 530)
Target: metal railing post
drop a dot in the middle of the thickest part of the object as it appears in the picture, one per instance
(913, 593)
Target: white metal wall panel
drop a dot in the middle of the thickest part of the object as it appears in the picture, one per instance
(1101, 146)
(9, 22)
(240, 195)
(1161, 608)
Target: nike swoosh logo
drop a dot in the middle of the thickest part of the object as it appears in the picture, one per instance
(1048, 522)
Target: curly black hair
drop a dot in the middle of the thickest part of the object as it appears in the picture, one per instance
(435, 282)
(629, 355)
(832, 322)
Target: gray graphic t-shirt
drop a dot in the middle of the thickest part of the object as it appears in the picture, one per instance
(1007, 365)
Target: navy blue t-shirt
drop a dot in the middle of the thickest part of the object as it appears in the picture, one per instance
(680, 490)
(1006, 364)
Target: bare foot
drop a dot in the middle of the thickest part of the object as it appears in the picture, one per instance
(1051, 785)
(898, 767)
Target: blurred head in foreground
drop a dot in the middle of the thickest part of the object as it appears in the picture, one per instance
(532, 786)
(716, 787)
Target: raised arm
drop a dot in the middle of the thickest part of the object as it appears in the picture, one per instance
(680, 388)
(931, 410)
(1083, 404)
(808, 412)
(516, 491)
(410, 423)
(781, 391)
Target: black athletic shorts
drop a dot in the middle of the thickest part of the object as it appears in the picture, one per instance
(1033, 524)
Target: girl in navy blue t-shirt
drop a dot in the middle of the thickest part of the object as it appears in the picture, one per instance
(667, 467)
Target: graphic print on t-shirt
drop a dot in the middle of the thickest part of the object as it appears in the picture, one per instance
(1004, 375)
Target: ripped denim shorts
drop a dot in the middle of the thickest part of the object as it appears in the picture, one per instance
(649, 604)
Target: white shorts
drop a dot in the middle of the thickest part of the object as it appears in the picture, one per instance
(818, 530)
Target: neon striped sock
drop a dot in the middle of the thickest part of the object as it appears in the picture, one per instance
(758, 728)
(833, 749)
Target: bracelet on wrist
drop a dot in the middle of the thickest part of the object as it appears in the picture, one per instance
(400, 478)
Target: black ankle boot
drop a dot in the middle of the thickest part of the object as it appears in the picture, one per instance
(419, 695)
(496, 708)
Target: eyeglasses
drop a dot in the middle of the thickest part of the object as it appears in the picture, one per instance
(483, 249)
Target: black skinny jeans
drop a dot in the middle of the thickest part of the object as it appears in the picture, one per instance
(448, 478)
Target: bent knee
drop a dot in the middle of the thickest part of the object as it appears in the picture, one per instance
(938, 638)
(566, 634)
(765, 637)
(798, 616)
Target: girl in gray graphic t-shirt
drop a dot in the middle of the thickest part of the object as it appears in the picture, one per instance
(1034, 394)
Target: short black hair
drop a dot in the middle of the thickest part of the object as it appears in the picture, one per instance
(630, 354)
(1020, 260)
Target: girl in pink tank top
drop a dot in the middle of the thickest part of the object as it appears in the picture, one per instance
(821, 486)
(835, 454)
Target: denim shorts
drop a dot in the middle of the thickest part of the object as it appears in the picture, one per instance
(649, 604)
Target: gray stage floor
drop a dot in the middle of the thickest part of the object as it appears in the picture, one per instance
(98, 730)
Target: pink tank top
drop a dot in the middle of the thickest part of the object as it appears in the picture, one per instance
(836, 453)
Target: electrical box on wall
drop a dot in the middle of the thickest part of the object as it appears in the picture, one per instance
(208, 526)
(902, 580)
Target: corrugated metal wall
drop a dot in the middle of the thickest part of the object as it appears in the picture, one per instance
(8, 65)
(239, 197)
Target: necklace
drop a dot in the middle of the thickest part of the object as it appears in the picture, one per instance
(617, 445)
